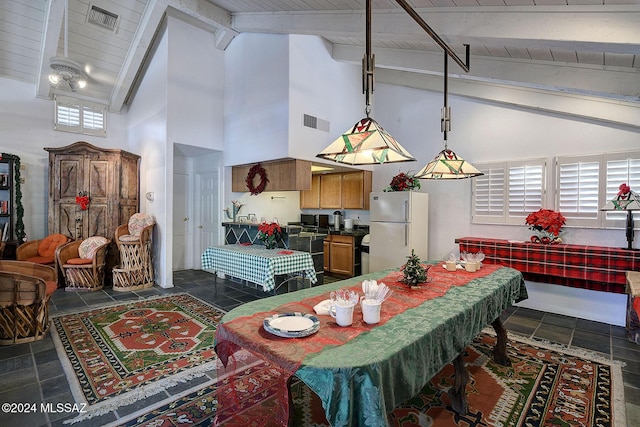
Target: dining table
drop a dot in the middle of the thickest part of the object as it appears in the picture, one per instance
(361, 372)
(257, 264)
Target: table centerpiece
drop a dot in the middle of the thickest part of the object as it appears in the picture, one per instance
(547, 226)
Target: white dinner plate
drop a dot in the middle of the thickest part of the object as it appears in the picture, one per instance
(291, 325)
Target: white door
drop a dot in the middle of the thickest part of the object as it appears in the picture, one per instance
(209, 211)
(181, 222)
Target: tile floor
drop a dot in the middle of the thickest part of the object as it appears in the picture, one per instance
(32, 373)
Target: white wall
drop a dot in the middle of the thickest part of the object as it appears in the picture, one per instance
(148, 137)
(26, 128)
(256, 99)
(180, 101)
(324, 88)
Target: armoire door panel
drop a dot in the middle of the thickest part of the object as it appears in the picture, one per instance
(98, 179)
(96, 221)
(65, 215)
(70, 177)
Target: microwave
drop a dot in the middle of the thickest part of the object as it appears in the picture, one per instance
(319, 220)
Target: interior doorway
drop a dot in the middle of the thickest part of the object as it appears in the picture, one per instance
(197, 197)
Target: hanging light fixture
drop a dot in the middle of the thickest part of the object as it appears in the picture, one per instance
(447, 164)
(64, 69)
(366, 142)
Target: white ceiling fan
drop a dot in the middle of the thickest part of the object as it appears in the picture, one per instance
(64, 69)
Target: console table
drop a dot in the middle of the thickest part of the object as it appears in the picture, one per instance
(596, 268)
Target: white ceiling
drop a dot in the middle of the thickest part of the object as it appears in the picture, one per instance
(581, 47)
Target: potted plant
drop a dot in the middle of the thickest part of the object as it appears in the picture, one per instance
(270, 233)
(547, 224)
(403, 182)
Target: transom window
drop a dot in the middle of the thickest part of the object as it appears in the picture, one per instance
(79, 116)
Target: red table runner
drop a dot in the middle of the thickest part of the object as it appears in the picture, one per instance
(247, 332)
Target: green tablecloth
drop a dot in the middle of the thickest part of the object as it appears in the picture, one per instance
(359, 382)
(257, 264)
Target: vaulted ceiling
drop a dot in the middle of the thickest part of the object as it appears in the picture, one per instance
(582, 48)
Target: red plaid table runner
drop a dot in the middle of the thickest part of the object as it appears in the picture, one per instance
(596, 268)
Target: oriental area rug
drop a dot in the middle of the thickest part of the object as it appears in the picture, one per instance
(546, 385)
(118, 354)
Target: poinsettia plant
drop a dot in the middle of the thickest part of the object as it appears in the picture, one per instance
(404, 181)
(546, 220)
(269, 233)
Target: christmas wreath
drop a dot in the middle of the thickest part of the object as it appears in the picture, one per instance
(256, 170)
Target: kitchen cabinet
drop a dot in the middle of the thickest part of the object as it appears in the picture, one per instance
(356, 187)
(339, 254)
(310, 199)
(331, 191)
(282, 175)
(346, 190)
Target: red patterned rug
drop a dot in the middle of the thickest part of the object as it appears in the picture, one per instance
(121, 353)
(545, 386)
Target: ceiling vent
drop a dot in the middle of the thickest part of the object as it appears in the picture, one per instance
(103, 18)
(315, 123)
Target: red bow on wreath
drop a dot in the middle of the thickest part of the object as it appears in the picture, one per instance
(82, 200)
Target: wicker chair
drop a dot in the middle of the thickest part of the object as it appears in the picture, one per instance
(25, 290)
(136, 261)
(83, 263)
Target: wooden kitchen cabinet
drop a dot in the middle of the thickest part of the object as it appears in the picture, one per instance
(339, 255)
(283, 175)
(310, 199)
(347, 190)
(356, 187)
(331, 191)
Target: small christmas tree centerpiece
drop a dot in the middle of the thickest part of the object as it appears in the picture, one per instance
(413, 272)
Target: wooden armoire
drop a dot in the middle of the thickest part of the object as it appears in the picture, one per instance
(110, 177)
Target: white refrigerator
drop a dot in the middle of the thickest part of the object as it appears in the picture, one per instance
(399, 222)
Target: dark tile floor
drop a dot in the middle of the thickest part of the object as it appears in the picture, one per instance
(32, 373)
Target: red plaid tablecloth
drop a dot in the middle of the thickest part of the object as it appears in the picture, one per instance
(596, 268)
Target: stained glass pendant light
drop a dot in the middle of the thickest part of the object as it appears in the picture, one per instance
(447, 164)
(366, 142)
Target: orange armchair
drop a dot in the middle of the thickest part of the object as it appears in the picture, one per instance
(41, 251)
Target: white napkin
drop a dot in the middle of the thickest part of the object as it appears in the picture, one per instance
(322, 308)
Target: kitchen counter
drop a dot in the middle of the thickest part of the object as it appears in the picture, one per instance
(356, 232)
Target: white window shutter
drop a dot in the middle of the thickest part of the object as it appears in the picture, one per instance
(78, 116)
(489, 194)
(526, 187)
